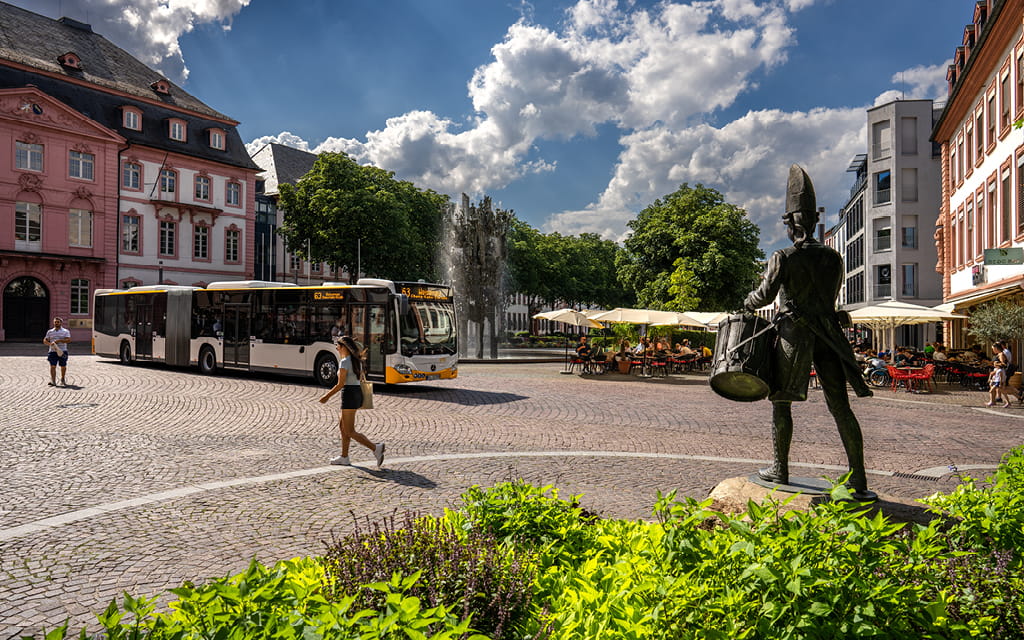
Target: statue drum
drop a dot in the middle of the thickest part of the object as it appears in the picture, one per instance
(742, 365)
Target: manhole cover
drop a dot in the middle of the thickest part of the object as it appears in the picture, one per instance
(77, 405)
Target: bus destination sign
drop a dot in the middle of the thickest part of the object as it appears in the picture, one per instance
(421, 292)
(329, 295)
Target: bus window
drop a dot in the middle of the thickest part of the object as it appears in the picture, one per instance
(205, 307)
(291, 322)
(326, 322)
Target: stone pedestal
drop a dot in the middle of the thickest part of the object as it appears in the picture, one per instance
(731, 496)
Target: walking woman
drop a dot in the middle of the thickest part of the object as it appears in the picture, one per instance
(350, 371)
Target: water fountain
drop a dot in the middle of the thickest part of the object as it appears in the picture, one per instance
(473, 259)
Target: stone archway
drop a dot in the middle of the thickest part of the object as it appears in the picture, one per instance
(26, 309)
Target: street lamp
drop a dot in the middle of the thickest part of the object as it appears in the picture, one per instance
(160, 273)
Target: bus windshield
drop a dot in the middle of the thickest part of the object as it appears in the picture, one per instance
(428, 328)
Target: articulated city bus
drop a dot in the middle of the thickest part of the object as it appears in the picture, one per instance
(408, 328)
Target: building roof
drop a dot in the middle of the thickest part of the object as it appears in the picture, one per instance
(282, 164)
(98, 90)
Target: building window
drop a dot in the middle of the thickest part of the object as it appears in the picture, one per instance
(960, 161)
(969, 238)
(883, 281)
(979, 139)
(177, 130)
(1020, 194)
(201, 243)
(231, 245)
(979, 229)
(233, 194)
(79, 228)
(908, 232)
(953, 157)
(28, 157)
(883, 234)
(28, 228)
(131, 176)
(294, 264)
(217, 139)
(880, 145)
(79, 296)
(909, 280)
(855, 217)
(908, 136)
(969, 149)
(168, 181)
(130, 234)
(992, 209)
(1006, 217)
(168, 231)
(132, 120)
(908, 187)
(202, 188)
(1004, 102)
(855, 288)
(316, 267)
(1020, 82)
(855, 253)
(883, 182)
(81, 165)
(992, 120)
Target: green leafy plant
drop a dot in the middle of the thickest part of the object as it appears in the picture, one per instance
(468, 572)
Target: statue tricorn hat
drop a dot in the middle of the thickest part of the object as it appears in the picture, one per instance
(800, 192)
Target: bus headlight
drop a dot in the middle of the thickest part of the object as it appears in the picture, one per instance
(403, 369)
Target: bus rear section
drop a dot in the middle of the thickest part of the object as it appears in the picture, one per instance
(144, 323)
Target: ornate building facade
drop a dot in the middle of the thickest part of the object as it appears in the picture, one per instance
(110, 176)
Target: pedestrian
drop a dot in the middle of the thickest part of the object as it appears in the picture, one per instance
(350, 373)
(57, 339)
(996, 383)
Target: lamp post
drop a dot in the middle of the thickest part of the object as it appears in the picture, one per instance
(160, 273)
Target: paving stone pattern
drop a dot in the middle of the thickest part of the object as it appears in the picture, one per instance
(160, 436)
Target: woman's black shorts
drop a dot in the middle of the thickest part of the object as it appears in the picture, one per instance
(351, 396)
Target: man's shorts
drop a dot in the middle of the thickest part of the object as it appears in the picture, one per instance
(57, 359)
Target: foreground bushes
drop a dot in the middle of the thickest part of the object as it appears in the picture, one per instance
(516, 561)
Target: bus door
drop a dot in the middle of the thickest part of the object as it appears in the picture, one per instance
(375, 338)
(143, 329)
(236, 335)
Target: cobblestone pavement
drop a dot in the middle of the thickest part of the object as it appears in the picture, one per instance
(140, 477)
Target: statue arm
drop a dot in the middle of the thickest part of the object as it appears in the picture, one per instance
(769, 288)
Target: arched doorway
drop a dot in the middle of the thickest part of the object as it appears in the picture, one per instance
(26, 309)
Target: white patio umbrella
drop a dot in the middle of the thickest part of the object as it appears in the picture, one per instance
(886, 316)
(568, 316)
(709, 319)
(622, 315)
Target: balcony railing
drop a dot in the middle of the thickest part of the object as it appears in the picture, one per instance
(883, 196)
(883, 290)
(883, 243)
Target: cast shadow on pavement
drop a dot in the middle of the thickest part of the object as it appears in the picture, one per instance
(403, 477)
(465, 397)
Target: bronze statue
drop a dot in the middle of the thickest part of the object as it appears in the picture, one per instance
(807, 278)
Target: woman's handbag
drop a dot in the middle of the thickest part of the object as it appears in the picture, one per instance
(367, 388)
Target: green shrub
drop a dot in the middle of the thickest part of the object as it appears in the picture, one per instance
(468, 572)
(284, 602)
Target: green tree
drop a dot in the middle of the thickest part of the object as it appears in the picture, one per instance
(691, 251)
(998, 320)
(354, 216)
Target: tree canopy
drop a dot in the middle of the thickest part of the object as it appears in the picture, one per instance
(691, 251)
(998, 320)
(552, 268)
(361, 216)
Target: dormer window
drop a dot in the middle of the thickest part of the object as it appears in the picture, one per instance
(177, 129)
(131, 118)
(70, 60)
(162, 87)
(217, 139)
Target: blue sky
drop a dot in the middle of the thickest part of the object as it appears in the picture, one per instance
(574, 114)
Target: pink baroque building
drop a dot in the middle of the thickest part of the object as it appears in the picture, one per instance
(111, 176)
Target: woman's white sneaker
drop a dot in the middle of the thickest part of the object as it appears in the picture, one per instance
(378, 452)
(340, 460)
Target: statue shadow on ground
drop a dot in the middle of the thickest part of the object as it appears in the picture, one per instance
(673, 380)
(402, 477)
(465, 397)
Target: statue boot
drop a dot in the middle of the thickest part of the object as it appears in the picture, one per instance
(782, 437)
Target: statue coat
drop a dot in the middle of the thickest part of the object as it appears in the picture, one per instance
(807, 279)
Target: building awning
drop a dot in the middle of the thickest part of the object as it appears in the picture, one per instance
(972, 299)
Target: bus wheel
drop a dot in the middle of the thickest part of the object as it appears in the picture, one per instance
(126, 353)
(326, 370)
(207, 361)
